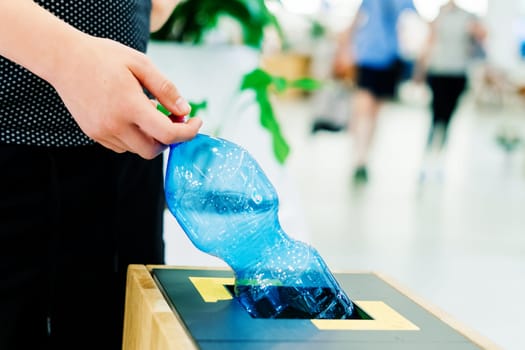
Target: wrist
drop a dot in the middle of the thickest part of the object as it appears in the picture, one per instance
(41, 42)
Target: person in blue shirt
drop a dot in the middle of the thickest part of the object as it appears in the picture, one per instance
(371, 46)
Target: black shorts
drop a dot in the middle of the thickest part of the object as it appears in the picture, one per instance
(380, 82)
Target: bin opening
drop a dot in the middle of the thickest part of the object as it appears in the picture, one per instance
(292, 311)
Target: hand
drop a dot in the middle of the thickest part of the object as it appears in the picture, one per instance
(101, 84)
(343, 65)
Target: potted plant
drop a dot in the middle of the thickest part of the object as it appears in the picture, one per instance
(191, 20)
(212, 49)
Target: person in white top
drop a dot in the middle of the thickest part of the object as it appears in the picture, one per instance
(454, 37)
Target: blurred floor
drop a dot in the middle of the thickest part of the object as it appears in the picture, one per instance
(456, 240)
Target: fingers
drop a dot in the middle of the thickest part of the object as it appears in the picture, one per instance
(113, 146)
(188, 130)
(131, 142)
(131, 138)
(160, 128)
(143, 145)
(151, 130)
(155, 124)
(161, 87)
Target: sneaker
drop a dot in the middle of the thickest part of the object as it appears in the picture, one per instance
(360, 175)
(326, 125)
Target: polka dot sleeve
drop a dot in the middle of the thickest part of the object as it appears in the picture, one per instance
(31, 112)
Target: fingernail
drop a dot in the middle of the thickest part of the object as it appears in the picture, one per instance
(183, 106)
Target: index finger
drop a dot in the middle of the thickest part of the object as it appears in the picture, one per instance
(154, 123)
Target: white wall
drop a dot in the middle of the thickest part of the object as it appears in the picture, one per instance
(503, 43)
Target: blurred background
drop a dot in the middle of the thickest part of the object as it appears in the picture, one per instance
(449, 225)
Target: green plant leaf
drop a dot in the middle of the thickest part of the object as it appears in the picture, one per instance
(261, 82)
(191, 19)
(306, 84)
(281, 149)
(197, 106)
(256, 79)
(163, 109)
(280, 84)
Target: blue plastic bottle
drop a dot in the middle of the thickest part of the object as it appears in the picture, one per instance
(228, 208)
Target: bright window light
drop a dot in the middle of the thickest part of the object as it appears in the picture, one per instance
(309, 7)
(429, 9)
(479, 7)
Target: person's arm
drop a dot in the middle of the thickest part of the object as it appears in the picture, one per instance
(100, 81)
(344, 59)
(160, 12)
(477, 30)
(421, 64)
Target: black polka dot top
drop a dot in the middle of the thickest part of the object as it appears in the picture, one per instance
(31, 112)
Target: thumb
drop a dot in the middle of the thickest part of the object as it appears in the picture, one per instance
(161, 88)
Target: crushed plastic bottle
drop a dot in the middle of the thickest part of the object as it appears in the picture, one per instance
(228, 208)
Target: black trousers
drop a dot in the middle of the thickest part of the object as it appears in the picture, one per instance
(71, 221)
(446, 91)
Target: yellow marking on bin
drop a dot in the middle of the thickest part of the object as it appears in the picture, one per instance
(213, 289)
(384, 318)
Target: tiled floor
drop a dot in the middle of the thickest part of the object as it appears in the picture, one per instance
(457, 241)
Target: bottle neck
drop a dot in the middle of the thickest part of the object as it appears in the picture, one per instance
(287, 262)
(258, 248)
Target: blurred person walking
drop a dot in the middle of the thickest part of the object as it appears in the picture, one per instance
(371, 44)
(456, 38)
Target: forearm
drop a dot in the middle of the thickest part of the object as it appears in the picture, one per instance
(345, 37)
(160, 12)
(478, 31)
(35, 38)
(426, 52)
